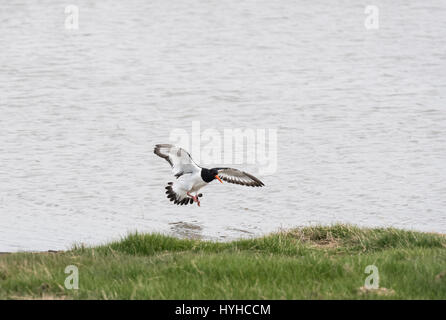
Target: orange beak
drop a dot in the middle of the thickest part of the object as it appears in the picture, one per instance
(217, 177)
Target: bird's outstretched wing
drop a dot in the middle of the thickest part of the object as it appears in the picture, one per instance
(178, 158)
(239, 177)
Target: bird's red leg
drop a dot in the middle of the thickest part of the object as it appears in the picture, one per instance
(198, 200)
(194, 197)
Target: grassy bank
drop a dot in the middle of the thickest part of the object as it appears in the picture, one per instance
(308, 263)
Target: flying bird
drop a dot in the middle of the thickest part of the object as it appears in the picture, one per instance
(190, 177)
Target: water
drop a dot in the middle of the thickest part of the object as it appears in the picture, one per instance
(360, 115)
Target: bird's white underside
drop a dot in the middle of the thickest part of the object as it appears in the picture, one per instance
(191, 183)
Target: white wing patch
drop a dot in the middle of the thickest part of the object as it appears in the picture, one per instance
(178, 158)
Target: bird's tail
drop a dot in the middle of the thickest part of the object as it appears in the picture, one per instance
(178, 199)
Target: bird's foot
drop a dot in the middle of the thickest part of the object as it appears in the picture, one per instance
(195, 198)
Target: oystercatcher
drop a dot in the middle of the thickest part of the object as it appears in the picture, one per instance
(190, 177)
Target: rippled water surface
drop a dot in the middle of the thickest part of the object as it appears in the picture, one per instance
(360, 115)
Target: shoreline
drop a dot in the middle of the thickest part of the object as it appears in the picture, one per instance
(49, 251)
(240, 239)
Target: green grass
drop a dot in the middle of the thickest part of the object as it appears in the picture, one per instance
(307, 263)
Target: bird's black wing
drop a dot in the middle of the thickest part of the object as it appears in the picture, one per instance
(239, 177)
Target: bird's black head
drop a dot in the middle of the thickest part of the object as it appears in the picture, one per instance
(209, 175)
